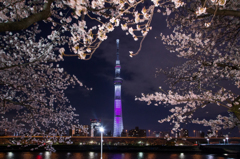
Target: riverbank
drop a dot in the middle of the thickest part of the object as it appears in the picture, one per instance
(109, 148)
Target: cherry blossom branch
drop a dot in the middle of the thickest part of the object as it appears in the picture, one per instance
(26, 22)
(3, 7)
(223, 12)
(18, 103)
(89, 54)
(223, 65)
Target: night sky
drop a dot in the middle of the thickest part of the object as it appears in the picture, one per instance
(139, 76)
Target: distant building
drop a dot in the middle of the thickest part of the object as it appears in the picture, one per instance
(183, 133)
(200, 133)
(155, 134)
(124, 133)
(95, 125)
(164, 134)
(137, 132)
(220, 134)
(109, 133)
(3, 132)
(79, 131)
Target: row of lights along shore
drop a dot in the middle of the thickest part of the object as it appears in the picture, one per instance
(223, 140)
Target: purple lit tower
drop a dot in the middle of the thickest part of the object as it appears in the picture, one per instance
(118, 121)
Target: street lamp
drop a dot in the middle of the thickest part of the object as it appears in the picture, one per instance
(208, 141)
(224, 141)
(101, 129)
(194, 133)
(227, 140)
(149, 132)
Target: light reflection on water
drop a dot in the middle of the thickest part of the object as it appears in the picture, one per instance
(181, 156)
(210, 156)
(27, 155)
(140, 155)
(108, 155)
(47, 155)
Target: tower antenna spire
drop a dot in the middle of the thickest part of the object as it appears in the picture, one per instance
(117, 41)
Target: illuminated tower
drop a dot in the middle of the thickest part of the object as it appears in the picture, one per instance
(118, 121)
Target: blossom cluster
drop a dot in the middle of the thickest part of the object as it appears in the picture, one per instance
(32, 86)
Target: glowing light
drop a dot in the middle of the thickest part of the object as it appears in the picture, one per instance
(140, 154)
(10, 154)
(101, 129)
(181, 155)
(91, 154)
(117, 91)
(210, 157)
(47, 155)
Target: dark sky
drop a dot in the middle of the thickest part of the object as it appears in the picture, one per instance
(138, 74)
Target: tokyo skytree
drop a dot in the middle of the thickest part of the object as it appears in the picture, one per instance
(118, 121)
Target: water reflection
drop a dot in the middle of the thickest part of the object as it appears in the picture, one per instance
(92, 155)
(181, 156)
(173, 156)
(127, 156)
(198, 156)
(108, 155)
(10, 155)
(76, 155)
(140, 155)
(2, 155)
(39, 157)
(210, 156)
(55, 155)
(116, 156)
(151, 155)
(28, 155)
(47, 155)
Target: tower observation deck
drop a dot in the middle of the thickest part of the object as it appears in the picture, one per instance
(118, 121)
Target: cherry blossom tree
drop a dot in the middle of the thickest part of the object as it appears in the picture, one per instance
(83, 25)
(32, 31)
(32, 99)
(32, 84)
(206, 35)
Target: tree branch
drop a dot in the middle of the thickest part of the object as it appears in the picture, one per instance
(224, 12)
(26, 22)
(235, 107)
(223, 65)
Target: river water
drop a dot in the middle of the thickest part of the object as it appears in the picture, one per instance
(108, 155)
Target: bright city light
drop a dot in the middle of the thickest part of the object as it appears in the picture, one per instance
(101, 129)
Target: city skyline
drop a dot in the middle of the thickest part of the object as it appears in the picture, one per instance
(139, 75)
